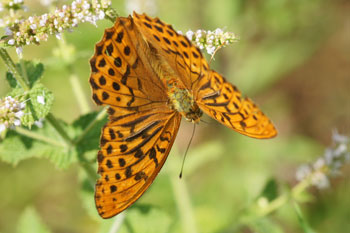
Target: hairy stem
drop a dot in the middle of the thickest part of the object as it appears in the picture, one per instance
(12, 68)
(53, 121)
(38, 137)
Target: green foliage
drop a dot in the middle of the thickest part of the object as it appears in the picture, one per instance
(16, 147)
(35, 109)
(33, 71)
(270, 190)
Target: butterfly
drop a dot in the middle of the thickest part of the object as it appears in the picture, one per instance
(151, 76)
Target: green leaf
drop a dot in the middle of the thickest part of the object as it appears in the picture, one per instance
(11, 80)
(38, 105)
(17, 147)
(270, 190)
(30, 221)
(147, 220)
(34, 71)
(90, 140)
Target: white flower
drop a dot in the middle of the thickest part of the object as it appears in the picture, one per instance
(319, 164)
(11, 112)
(189, 34)
(101, 15)
(303, 172)
(40, 99)
(19, 51)
(39, 123)
(8, 31)
(11, 42)
(320, 180)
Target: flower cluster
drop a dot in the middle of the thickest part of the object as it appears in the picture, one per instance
(11, 111)
(211, 40)
(38, 28)
(328, 165)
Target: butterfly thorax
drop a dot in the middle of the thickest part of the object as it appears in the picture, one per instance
(180, 98)
(182, 101)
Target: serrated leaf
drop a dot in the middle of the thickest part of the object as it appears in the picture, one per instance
(270, 190)
(16, 147)
(11, 80)
(34, 71)
(38, 105)
(30, 221)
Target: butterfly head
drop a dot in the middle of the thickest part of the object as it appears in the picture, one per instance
(194, 114)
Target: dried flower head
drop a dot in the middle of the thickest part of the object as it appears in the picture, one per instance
(11, 112)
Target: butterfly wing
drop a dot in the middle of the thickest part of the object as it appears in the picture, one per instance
(184, 58)
(224, 102)
(141, 129)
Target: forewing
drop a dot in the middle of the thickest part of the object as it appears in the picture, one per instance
(223, 101)
(184, 58)
(119, 77)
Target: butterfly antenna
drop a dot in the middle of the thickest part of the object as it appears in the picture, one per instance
(188, 146)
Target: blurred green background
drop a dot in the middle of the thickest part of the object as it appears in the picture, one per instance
(293, 59)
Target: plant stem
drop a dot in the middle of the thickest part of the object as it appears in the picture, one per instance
(79, 93)
(99, 117)
(117, 223)
(39, 137)
(184, 206)
(23, 69)
(12, 68)
(53, 121)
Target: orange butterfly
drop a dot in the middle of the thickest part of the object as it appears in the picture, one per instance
(151, 76)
